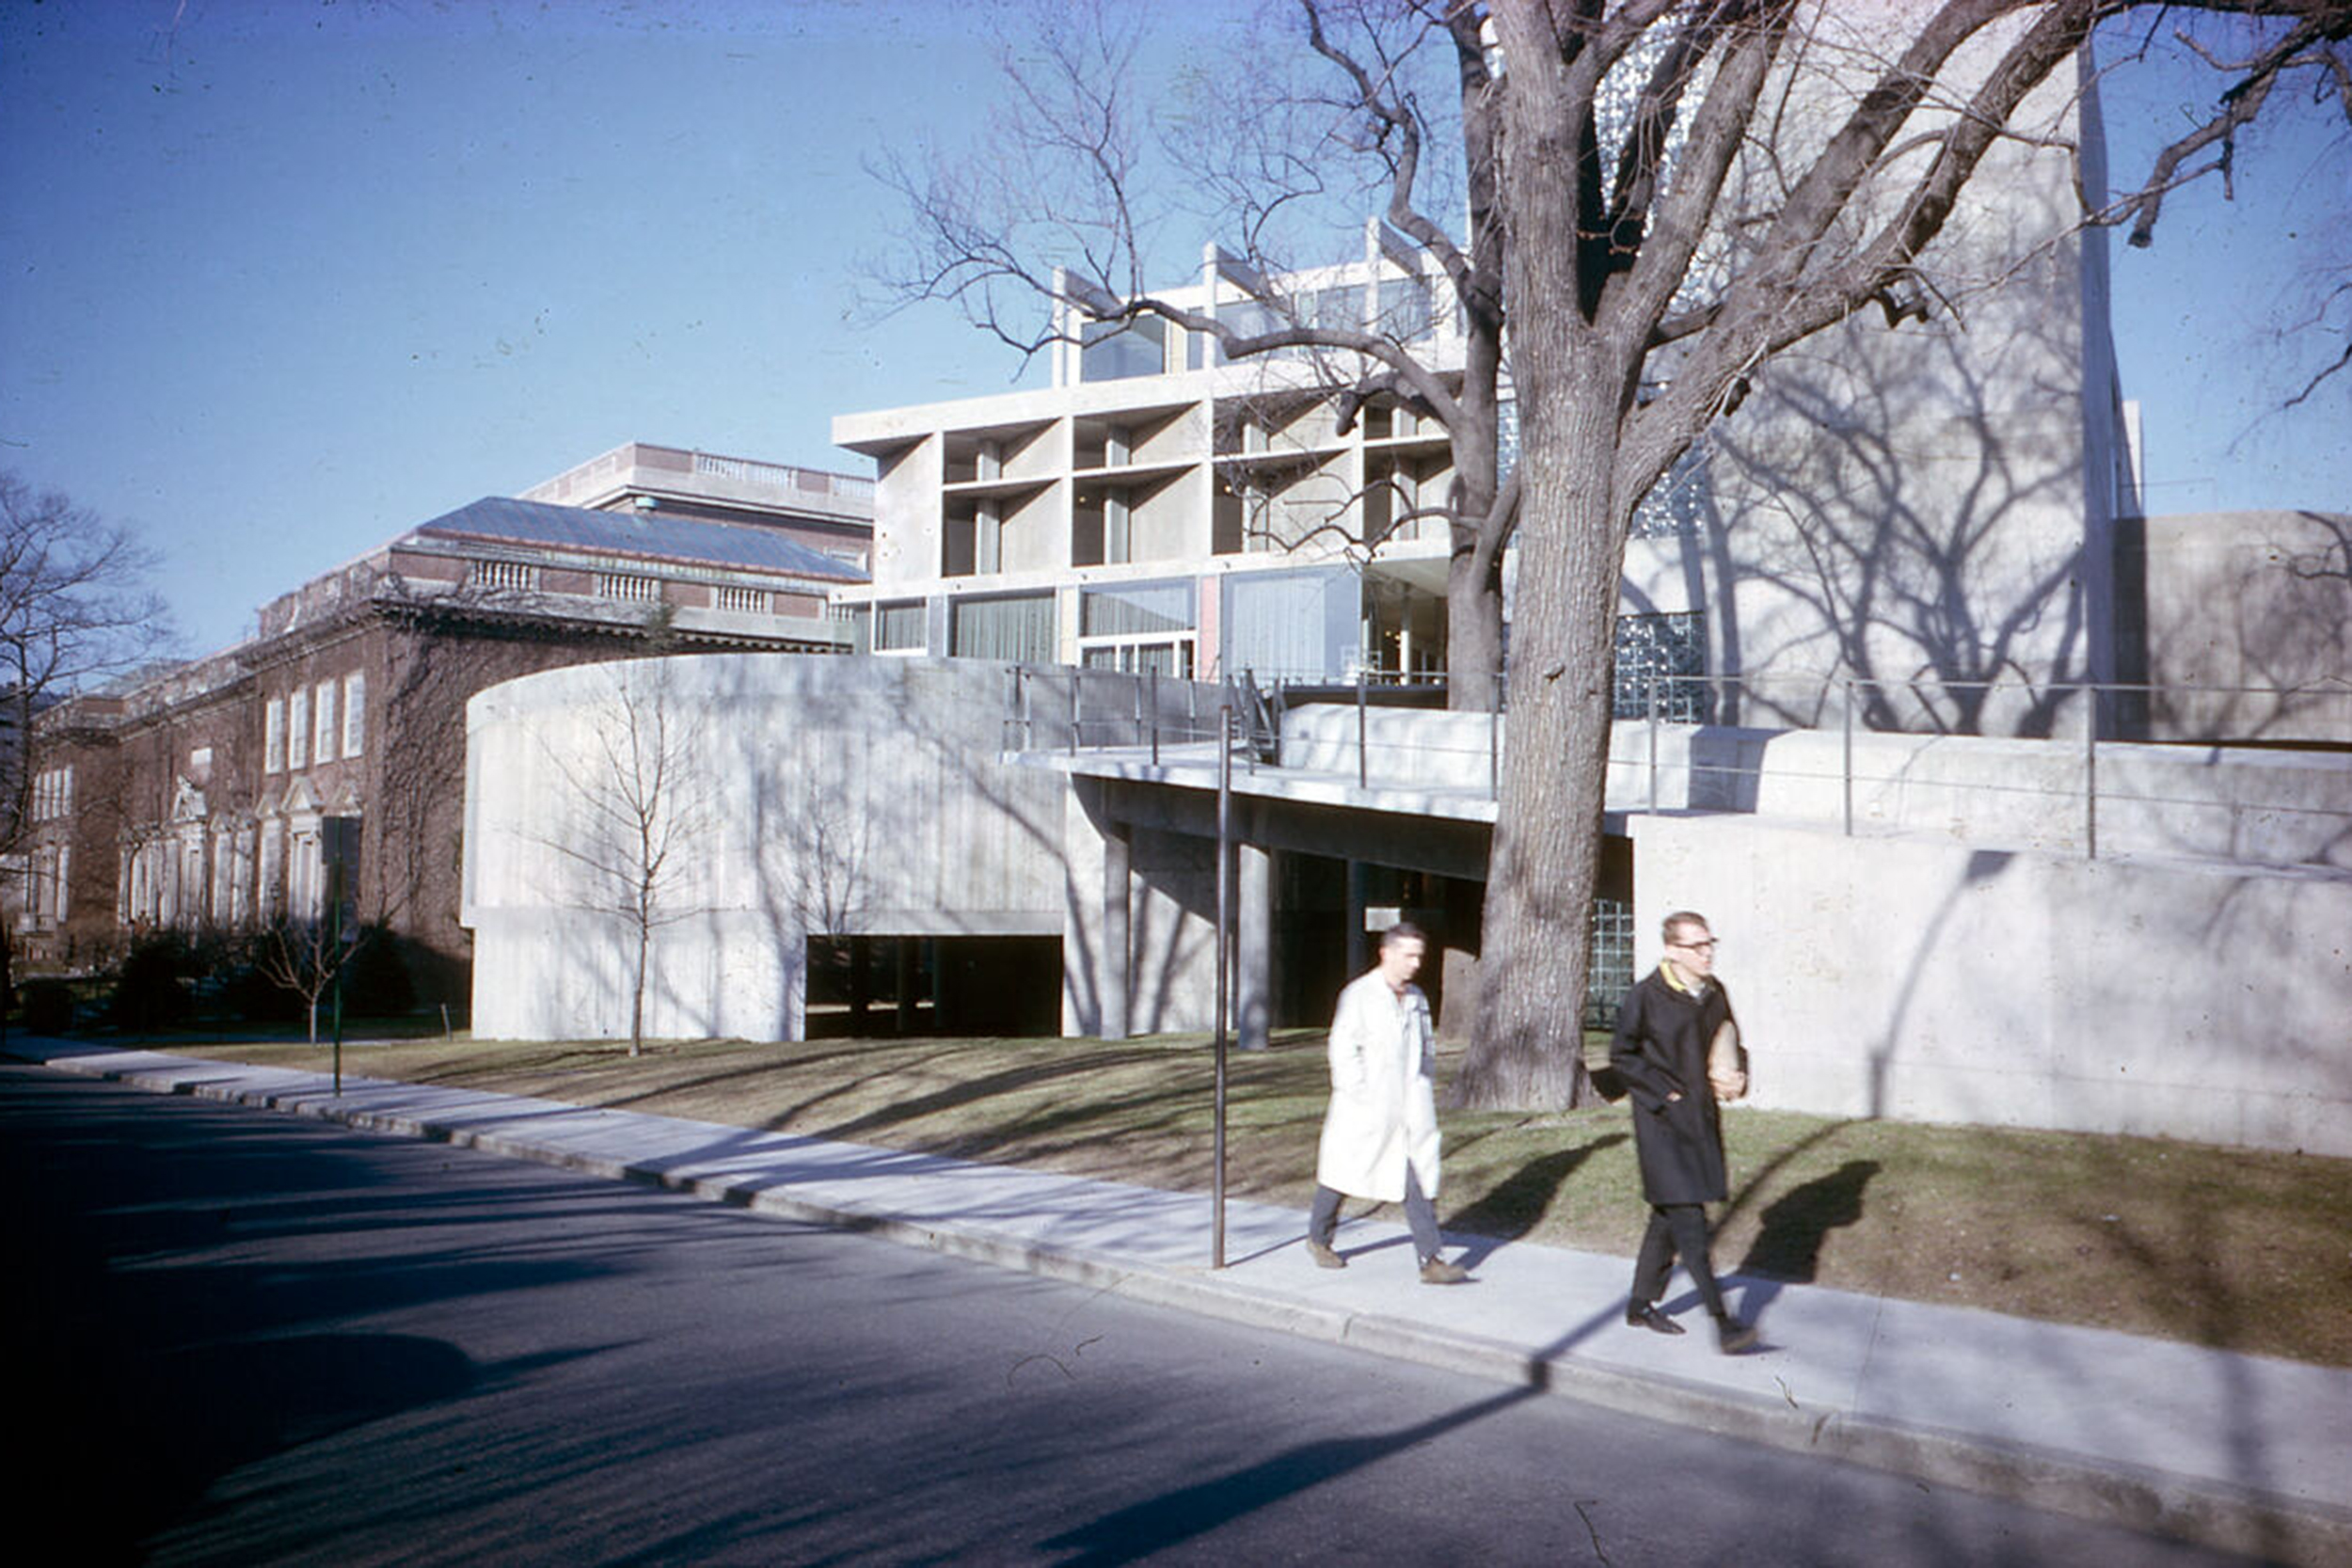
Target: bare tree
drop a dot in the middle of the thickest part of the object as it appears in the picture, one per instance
(306, 954)
(1065, 203)
(1674, 193)
(637, 809)
(74, 609)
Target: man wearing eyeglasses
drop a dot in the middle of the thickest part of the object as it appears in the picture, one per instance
(1676, 1050)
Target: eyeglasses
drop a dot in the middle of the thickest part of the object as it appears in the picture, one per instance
(1706, 947)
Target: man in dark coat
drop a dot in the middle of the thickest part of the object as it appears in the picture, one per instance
(1666, 1030)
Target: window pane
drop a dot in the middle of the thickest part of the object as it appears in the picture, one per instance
(1016, 628)
(1135, 609)
(1114, 351)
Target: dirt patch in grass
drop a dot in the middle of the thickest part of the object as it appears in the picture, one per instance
(2238, 1249)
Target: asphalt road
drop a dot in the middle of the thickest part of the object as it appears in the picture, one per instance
(236, 1336)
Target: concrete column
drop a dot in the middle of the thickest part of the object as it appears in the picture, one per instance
(1113, 963)
(1358, 894)
(904, 947)
(1253, 969)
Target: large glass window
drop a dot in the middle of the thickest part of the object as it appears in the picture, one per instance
(1019, 627)
(899, 628)
(1136, 609)
(1249, 318)
(1406, 309)
(1117, 351)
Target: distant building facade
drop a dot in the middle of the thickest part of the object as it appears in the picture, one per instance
(198, 798)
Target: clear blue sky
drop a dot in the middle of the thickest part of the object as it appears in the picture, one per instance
(280, 278)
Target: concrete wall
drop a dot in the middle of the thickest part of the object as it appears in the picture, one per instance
(2228, 804)
(851, 796)
(2245, 620)
(1926, 502)
(1914, 978)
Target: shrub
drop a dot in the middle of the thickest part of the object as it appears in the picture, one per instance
(48, 1006)
(152, 988)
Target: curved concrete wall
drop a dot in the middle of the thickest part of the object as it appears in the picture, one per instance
(803, 794)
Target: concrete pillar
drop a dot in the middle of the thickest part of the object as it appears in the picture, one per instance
(1113, 963)
(861, 992)
(904, 947)
(1253, 968)
(1358, 894)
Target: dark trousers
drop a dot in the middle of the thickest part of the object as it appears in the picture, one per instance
(1322, 1220)
(1675, 1228)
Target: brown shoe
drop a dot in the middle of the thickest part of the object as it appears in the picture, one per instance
(1325, 1258)
(1732, 1337)
(1436, 1271)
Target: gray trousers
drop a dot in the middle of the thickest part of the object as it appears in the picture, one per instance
(1322, 1220)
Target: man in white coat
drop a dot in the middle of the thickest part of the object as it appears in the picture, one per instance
(1380, 1136)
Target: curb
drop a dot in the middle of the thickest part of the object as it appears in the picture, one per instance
(2269, 1526)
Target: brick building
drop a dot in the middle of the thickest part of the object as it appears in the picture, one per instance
(201, 796)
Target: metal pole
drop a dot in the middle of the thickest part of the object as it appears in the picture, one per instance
(1653, 743)
(1848, 779)
(1074, 709)
(1224, 974)
(1155, 717)
(1363, 770)
(335, 915)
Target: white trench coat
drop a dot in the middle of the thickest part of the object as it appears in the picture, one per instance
(1384, 1101)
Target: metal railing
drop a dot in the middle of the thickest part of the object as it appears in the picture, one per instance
(1776, 747)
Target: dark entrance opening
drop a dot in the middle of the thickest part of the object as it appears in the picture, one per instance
(879, 986)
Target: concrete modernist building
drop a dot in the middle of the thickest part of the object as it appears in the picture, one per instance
(1932, 505)
(199, 798)
(1878, 597)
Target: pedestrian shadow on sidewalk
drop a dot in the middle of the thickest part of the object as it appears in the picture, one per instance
(1514, 1206)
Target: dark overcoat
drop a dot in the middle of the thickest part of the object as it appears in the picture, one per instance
(1660, 1049)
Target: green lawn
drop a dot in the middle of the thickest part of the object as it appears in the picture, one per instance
(2244, 1250)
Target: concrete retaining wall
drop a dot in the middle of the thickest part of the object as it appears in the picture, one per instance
(1917, 979)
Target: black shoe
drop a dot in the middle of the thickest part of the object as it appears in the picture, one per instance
(1732, 1335)
(1644, 1314)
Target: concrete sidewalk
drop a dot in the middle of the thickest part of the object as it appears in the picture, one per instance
(2244, 1452)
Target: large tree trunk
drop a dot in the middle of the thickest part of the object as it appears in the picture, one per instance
(1527, 1052)
(1473, 631)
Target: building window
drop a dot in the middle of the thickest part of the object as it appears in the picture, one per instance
(52, 794)
(728, 595)
(1610, 973)
(901, 629)
(274, 736)
(624, 585)
(298, 729)
(1118, 351)
(354, 713)
(1662, 659)
(1138, 628)
(1020, 629)
(322, 734)
(1405, 312)
(501, 573)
